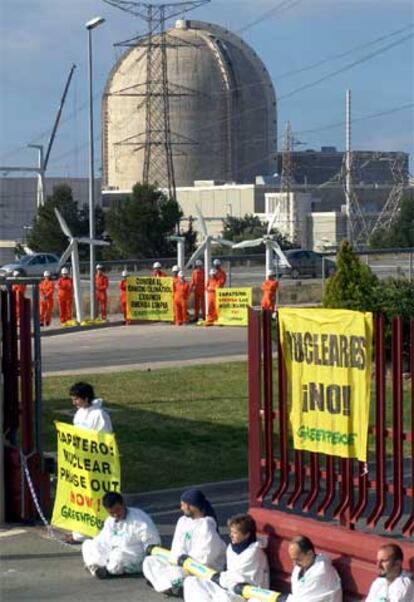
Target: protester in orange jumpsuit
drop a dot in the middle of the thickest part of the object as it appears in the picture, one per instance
(181, 294)
(198, 288)
(269, 288)
(157, 271)
(46, 293)
(123, 295)
(211, 287)
(18, 292)
(101, 284)
(221, 274)
(65, 299)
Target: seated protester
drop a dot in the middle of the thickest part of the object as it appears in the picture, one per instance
(196, 535)
(120, 547)
(314, 579)
(89, 415)
(246, 563)
(392, 584)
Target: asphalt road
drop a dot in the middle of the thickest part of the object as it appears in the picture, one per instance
(139, 346)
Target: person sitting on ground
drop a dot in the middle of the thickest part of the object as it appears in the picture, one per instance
(196, 535)
(314, 579)
(392, 584)
(89, 415)
(246, 564)
(120, 546)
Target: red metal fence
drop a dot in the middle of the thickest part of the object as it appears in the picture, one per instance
(347, 507)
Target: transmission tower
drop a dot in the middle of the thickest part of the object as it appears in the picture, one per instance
(390, 210)
(157, 140)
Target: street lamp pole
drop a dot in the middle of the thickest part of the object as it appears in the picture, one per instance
(90, 25)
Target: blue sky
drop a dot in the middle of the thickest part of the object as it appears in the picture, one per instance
(40, 39)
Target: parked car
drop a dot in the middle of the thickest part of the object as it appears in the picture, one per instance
(33, 265)
(306, 263)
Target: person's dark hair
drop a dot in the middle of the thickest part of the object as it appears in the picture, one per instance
(111, 498)
(395, 550)
(244, 522)
(304, 544)
(82, 390)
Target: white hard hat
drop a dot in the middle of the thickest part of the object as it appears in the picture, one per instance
(99, 266)
(64, 271)
(181, 274)
(175, 268)
(124, 273)
(46, 274)
(217, 262)
(156, 265)
(198, 262)
(212, 272)
(270, 273)
(16, 273)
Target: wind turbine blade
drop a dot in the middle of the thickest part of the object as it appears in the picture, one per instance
(65, 256)
(94, 241)
(273, 218)
(203, 225)
(28, 250)
(197, 253)
(221, 241)
(249, 243)
(283, 259)
(100, 243)
(63, 224)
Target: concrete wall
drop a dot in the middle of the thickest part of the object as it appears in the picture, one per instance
(325, 230)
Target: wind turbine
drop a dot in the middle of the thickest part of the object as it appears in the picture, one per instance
(180, 240)
(72, 250)
(205, 246)
(270, 243)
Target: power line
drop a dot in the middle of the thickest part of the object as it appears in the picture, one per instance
(281, 7)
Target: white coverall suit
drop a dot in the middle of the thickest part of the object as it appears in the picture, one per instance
(93, 418)
(197, 538)
(120, 546)
(319, 583)
(399, 590)
(250, 566)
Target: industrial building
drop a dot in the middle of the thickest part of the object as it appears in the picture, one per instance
(222, 110)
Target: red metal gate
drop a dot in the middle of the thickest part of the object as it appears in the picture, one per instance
(348, 508)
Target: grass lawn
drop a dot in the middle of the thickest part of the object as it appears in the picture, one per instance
(173, 426)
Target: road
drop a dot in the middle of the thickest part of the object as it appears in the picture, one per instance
(139, 346)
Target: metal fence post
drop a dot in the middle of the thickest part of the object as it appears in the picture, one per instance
(410, 268)
(323, 275)
(229, 271)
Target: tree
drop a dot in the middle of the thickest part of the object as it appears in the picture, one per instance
(401, 233)
(46, 234)
(250, 227)
(138, 225)
(353, 286)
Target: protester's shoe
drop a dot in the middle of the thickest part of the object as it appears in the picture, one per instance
(70, 540)
(99, 572)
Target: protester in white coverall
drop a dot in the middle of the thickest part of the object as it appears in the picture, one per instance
(120, 546)
(246, 563)
(392, 584)
(89, 415)
(314, 579)
(196, 535)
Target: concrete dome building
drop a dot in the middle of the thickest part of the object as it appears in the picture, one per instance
(222, 110)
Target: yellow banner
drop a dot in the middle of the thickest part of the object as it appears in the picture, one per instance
(88, 467)
(232, 305)
(328, 360)
(150, 299)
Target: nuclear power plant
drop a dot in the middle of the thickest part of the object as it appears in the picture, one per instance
(222, 110)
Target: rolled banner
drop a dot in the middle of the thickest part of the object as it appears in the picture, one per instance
(250, 591)
(160, 552)
(196, 568)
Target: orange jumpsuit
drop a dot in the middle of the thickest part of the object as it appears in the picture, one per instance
(158, 274)
(18, 291)
(123, 297)
(198, 286)
(101, 284)
(46, 293)
(65, 290)
(181, 294)
(221, 276)
(212, 285)
(269, 288)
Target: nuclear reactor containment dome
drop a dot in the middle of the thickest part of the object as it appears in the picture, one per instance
(222, 110)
